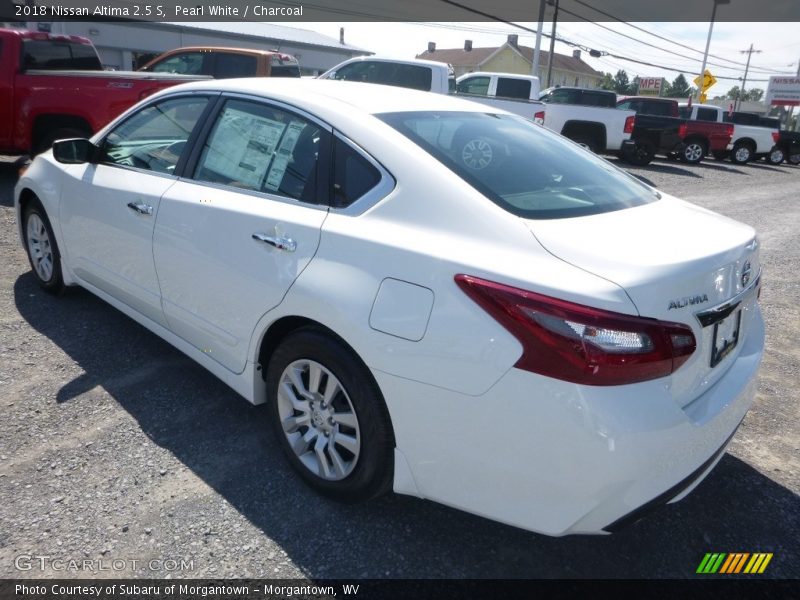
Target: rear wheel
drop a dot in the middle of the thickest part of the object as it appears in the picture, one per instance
(330, 417)
(742, 153)
(693, 152)
(794, 158)
(587, 142)
(775, 156)
(42, 248)
(640, 155)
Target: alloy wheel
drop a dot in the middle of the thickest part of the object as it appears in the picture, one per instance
(39, 247)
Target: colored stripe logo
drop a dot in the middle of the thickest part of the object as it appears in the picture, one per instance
(734, 563)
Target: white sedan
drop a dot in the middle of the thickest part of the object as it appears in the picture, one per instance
(430, 296)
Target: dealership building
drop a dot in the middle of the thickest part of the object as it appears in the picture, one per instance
(127, 45)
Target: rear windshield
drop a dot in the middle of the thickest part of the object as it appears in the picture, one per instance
(524, 168)
(50, 54)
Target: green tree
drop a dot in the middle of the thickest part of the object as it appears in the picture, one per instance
(755, 94)
(679, 88)
(608, 82)
(621, 82)
(733, 93)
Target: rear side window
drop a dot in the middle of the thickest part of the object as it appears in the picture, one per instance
(415, 77)
(705, 114)
(478, 86)
(230, 65)
(522, 167)
(659, 109)
(513, 88)
(51, 54)
(262, 148)
(353, 175)
(685, 112)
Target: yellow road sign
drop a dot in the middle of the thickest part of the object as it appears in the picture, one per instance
(706, 81)
(703, 98)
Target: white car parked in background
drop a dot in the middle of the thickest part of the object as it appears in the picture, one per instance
(450, 302)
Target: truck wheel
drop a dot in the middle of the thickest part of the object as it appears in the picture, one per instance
(775, 156)
(742, 153)
(63, 133)
(40, 243)
(794, 159)
(693, 152)
(587, 142)
(640, 155)
(330, 417)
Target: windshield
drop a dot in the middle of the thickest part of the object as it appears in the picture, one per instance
(526, 169)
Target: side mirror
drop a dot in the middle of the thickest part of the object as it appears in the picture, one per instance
(75, 151)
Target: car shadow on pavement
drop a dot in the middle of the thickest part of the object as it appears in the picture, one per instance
(228, 444)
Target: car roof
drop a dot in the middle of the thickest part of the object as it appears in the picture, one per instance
(324, 96)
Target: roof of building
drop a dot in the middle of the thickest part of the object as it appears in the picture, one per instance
(272, 32)
(458, 57)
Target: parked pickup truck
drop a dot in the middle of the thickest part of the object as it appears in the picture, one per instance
(662, 129)
(749, 141)
(788, 146)
(224, 63)
(589, 117)
(428, 76)
(44, 98)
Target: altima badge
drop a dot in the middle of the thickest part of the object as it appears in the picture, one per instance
(687, 300)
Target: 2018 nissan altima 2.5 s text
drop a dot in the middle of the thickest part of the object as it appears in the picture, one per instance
(429, 295)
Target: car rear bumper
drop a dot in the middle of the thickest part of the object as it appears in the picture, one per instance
(559, 458)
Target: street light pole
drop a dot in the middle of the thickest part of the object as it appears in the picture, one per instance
(708, 40)
(538, 48)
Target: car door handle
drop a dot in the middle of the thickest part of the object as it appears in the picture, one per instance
(280, 243)
(140, 207)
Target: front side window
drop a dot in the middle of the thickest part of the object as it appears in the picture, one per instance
(155, 137)
(525, 169)
(478, 86)
(563, 96)
(188, 63)
(264, 149)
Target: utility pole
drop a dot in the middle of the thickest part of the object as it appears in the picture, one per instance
(552, 44)
(537, 49)
(746, 69)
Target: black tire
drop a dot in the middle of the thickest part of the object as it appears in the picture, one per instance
(693, 152)
(47, 253)
(776, 156)
(640, 155)
(742, 153)
(794, 159)
(63, 133)
(371, 472)
(587, 142)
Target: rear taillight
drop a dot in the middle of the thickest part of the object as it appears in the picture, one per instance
(682, 129)
(729, 131)
(578, 343)
(776, 136)
(538, 117)
(629, 123)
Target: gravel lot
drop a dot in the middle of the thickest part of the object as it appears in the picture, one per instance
(114, 445)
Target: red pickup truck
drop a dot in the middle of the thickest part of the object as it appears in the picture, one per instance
(661, 129)
(53, 86)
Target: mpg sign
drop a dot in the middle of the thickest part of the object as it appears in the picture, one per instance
(783, 91)
(650, 86)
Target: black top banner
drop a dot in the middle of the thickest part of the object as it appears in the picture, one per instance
(401, 10)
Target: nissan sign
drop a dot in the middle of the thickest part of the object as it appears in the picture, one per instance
(783, 91)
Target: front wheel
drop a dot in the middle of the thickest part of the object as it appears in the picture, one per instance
(775, 156)
(794, 159)
(42, 249)
(330, 417)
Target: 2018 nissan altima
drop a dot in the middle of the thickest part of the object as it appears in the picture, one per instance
(430, 296)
